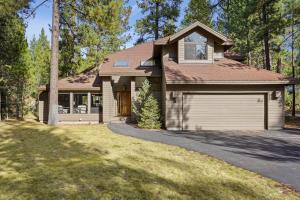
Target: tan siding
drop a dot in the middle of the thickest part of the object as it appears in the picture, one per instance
(163, 101)
(43, 108)
(108, 100)
(173, 115)
(210, 52)
(79, 117)
(169, 51)
(219, 51)
(276, 111)
(133, 95)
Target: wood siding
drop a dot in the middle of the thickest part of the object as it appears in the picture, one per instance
(80, 118)
(218, 51)
(274, 107)
(108, 100)
(43, 108)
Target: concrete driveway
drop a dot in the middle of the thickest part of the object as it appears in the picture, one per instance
(273, 154)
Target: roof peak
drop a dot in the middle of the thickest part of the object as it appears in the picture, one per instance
(166, 40)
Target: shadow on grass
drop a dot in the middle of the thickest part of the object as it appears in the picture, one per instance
(43, 162)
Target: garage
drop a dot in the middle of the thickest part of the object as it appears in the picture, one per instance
(223, 111)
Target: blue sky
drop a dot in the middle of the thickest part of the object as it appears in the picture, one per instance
(42, 19)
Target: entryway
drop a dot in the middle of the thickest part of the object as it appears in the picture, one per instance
(124, 103)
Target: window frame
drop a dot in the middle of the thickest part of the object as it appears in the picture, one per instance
(190, 43)
(64, 93)
(73, 102)
(100, 104)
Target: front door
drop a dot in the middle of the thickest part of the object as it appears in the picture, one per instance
(124, 103)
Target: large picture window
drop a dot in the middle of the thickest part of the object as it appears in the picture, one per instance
(195, 47)
(96, 103)
(63, 103)
(80, 103)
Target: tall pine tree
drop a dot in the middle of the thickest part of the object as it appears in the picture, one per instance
(90, 29)
(40, 56)
(159, 18)
(198, 10)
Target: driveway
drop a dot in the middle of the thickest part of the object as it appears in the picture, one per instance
(273, 154)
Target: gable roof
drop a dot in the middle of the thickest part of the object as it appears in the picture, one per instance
(163, 41)
(133, 56)
(223, 71)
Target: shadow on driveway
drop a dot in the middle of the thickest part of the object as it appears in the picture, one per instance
(274, 154)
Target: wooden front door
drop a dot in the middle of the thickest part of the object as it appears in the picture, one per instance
(124, 103)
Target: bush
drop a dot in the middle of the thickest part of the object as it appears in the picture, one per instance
(150, 117)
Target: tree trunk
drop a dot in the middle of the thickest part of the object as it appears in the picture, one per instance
(293, 69)
(156, 31)
(279, 65)
(53, 96)
(266, 39)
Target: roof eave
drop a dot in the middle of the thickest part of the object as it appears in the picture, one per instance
(198, 24)
(281, 82)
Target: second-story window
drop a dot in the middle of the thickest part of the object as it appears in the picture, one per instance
(195, 47)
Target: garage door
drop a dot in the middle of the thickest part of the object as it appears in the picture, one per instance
(223, 112)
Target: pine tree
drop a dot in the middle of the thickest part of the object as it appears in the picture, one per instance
(146, 108)
(40, 56)
(90, 29)
(53, 92)
(15, 67)
(150, 117)
(198, 10)
(159, 18)
(144, 93)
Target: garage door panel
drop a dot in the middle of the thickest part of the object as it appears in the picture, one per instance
(223, 111)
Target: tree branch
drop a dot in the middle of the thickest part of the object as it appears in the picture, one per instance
(34, 9)
(70, 27)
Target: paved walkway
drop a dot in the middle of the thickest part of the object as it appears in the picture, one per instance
(274, 154)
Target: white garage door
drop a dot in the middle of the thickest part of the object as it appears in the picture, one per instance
(223, 112)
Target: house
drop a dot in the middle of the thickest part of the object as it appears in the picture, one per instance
(196, 85)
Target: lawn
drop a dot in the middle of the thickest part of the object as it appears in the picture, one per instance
(90, 162)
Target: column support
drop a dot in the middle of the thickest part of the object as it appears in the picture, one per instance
(89, 103)
(133, 96)
(71, 102)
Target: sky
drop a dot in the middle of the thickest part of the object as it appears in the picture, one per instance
(43, 15)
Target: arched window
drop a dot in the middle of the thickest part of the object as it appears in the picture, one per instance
(195, 47)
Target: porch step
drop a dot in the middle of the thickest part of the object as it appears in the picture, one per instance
(120, 120)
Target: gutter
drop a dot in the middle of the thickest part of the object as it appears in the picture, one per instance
(285, 82)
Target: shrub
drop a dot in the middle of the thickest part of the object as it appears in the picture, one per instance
(150, 117)
(146, 108)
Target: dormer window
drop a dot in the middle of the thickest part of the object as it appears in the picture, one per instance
(195, 47)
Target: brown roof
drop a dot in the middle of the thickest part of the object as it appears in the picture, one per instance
(225, 41)
(221, 71)
(88, 80)
(134, 56)
(162, 41)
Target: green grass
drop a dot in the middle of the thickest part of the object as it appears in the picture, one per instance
(90, 162)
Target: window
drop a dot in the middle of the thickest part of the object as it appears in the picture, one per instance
(148, 63)
(96, 103)
(121, 63)
(63, 103)
(80, 103)
(195, 47)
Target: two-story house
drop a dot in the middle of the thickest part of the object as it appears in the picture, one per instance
(196, 85)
